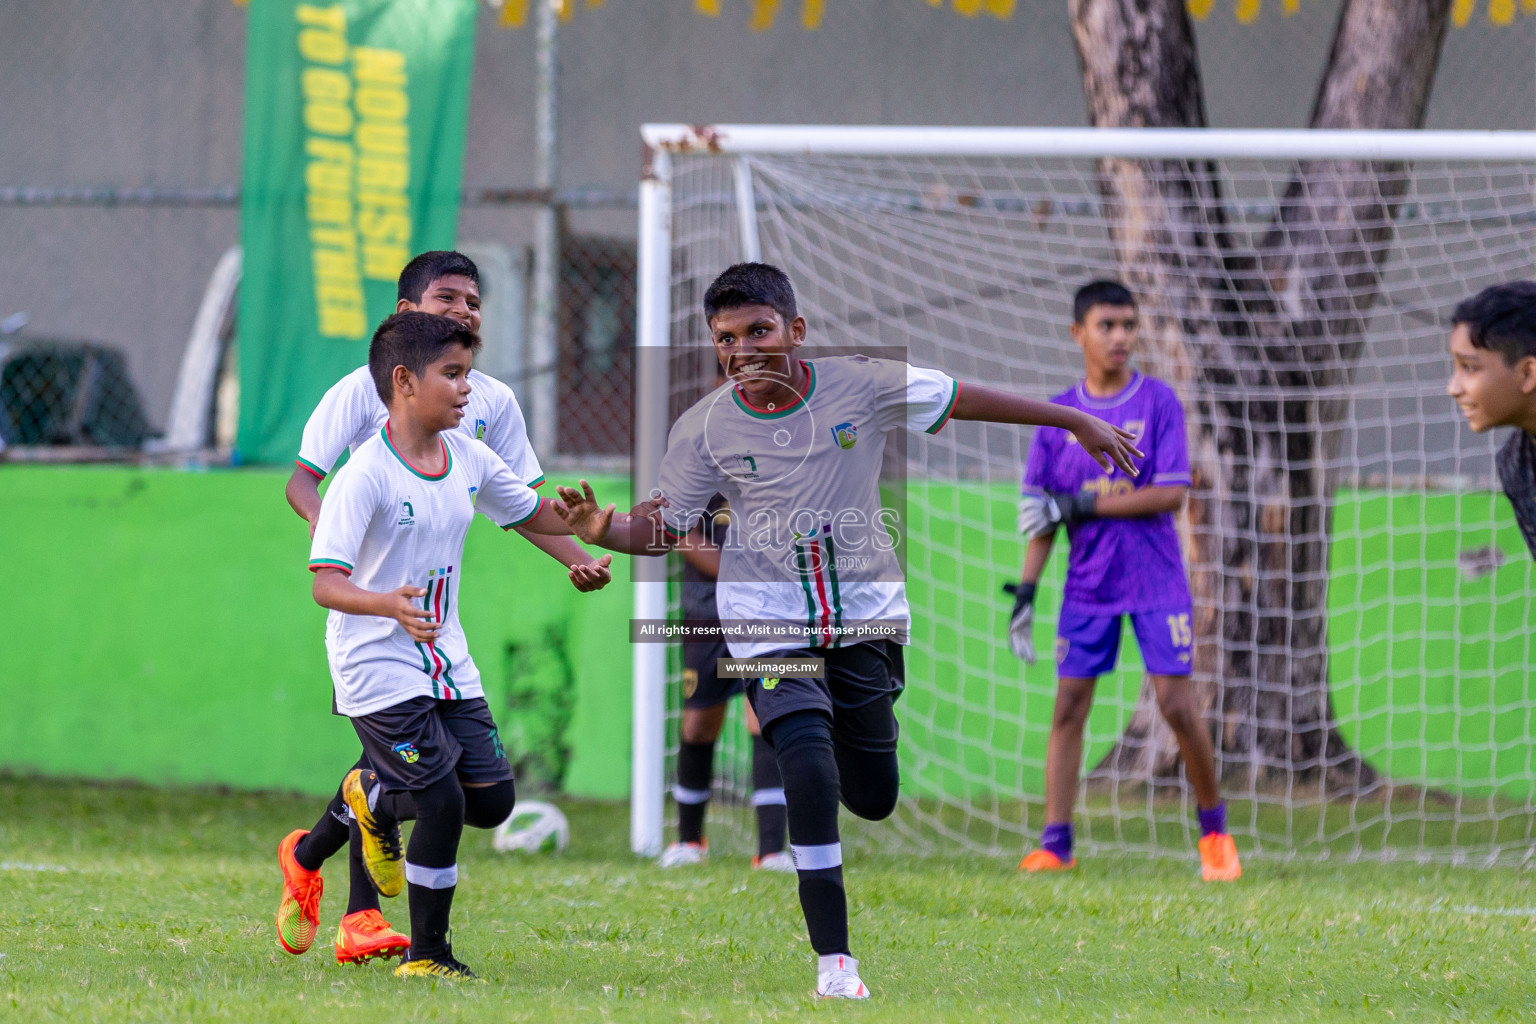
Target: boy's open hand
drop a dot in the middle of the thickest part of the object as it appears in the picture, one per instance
(580, 511)
(417, 621)
(1108, 445)
(593, 575)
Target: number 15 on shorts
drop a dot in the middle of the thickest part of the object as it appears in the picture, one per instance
(1179, 630)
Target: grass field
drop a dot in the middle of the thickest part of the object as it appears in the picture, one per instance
(132, 904)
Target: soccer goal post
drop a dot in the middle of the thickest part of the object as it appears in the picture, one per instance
(1363, 601)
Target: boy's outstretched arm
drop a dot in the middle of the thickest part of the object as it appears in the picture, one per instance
(1107, 445)
(585, 572)
(334, 590)
(626, 532)
(573, 556)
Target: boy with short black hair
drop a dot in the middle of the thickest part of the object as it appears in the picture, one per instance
(1493, 380)
(1125, 560)
(387, 557)
(445, 283)
(804, 440)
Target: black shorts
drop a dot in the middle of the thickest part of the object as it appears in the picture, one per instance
(862, 683)
(702, 687)
(416, 742)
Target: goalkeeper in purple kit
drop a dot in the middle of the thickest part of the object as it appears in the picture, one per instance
(1124, 560)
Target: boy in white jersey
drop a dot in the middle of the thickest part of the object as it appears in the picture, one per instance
(387, 557)
(350, 413)
(796, 447)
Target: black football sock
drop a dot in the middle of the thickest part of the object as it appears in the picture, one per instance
(329, 834)
(431, 866)
(695, 765)
(802, 742)
(361, 895)
(431, 905)
(767, 798)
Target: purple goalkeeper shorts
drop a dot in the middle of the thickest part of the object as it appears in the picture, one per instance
(1088, 645)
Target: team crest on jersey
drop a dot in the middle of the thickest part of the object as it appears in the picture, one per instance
(474, 495)
(407, 514)
(479, 430)
(407, 752)
(748, 464)
(846, 435)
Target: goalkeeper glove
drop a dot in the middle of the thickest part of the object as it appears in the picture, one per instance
(1039, 516)
(1021, 625)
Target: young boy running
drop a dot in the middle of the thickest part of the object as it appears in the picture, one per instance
(796, 447)
(1124, 560)
(388, 560)
(350, 413)
(1493, 380)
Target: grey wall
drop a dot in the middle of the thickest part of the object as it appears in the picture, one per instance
(149, 93)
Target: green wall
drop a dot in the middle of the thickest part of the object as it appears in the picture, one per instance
(162, 630)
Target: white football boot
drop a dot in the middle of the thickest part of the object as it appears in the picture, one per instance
(781, 862)
(683, 855)
(837, 977)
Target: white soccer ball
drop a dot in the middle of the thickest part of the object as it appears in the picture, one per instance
(534, 827)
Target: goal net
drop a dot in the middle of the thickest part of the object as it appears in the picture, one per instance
(1363, 601)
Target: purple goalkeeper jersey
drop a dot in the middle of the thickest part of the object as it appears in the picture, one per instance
(1119, 565)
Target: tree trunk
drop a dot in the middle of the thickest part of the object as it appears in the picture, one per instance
(1260, 342)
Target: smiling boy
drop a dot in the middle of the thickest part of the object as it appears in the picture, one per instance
(1493, 380)
(796, 447)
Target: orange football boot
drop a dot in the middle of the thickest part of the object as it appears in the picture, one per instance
(298, 915)
(1218, 858)
(365, 935)
(1045, 860)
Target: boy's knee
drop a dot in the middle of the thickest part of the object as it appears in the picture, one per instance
(871, 783)
(1074, 699)
(872, 804)
(799, 730)
(442, 800)
(489, 806)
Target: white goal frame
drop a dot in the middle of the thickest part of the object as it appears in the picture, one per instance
(733, 142)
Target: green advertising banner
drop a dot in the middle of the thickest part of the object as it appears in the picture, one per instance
(355, 115)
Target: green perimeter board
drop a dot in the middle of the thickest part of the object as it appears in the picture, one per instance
(165, 633)
(139, 659)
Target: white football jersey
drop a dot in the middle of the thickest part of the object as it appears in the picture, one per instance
(352, 412)
(388, 525)
(809, 549)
